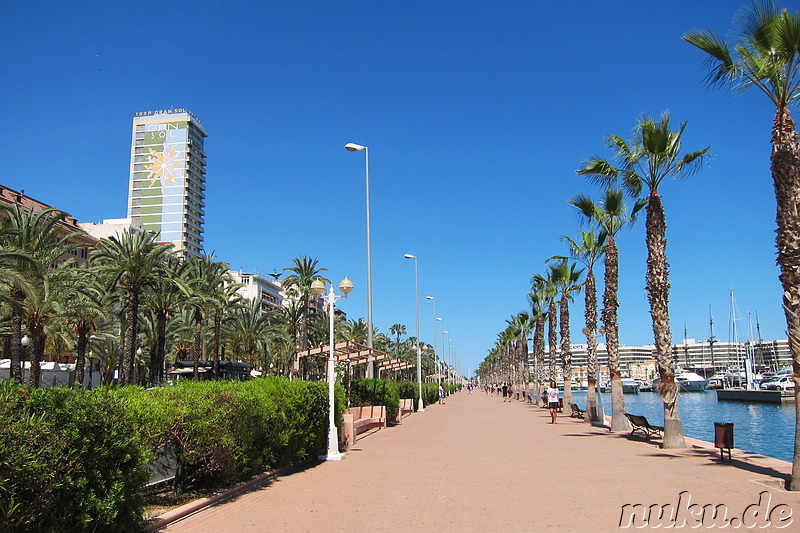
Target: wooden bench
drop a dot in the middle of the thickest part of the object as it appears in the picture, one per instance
(577, 412)
(640, 423)
(406, 408)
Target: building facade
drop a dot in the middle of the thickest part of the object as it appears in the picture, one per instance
(166, 191)
(255, 287)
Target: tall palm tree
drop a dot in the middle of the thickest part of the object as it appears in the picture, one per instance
(17, 271)
(246, 328)
(397, 330)
(85, 307)
(131, 262)
(538, 302)
(653, 156)
(588, 249)
(767, 56)
(37, 233)
(549, 290)
(303, 272)
(205, 284)
(520, 326)
(162, 302)
(565, 275)
(610, 215)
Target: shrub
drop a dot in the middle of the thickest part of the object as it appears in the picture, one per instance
(70, 460)
(376, 392)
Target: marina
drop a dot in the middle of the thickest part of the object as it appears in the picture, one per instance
(763, 428)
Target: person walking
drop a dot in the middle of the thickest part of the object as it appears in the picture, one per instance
(441, 394)
(505, 392)
(552, 401)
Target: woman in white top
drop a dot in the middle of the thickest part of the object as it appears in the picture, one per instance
(552, 401)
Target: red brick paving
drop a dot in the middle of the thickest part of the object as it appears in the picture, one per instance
(477, 463)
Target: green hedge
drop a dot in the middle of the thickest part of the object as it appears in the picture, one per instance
(70, 460)
(376, 392)
(410, 389)
(76, 460)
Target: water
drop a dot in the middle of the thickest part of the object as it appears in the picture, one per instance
(763, 428)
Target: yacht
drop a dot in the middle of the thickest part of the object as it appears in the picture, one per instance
(629, 386)
(691, 382)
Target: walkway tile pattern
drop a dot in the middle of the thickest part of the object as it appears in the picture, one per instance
(477, 463)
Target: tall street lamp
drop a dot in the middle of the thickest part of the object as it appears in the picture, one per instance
(353, 147)
(318, 287)
(420, 408)
(436, 355)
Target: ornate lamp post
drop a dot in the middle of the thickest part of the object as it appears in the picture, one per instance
(25, 342)
(318, 287)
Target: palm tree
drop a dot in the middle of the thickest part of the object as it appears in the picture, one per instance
(397, 330)
(131, 262)
(162, 302)
(653, 156)
(206, 286)
(549, 290)
(588, 250)
(246, 328)
(565, 275)
(84, 306)
(767, 57)
(303, 272)
(538, 302)
(520, 326)
(37, 233)
(610, 215)
(17, 270)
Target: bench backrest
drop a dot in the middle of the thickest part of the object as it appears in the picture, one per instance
(638, 420)
(407, 404)
(368, 411)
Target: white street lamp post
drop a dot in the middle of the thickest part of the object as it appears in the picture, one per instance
(25, 341)
(420, 407)
(436, 355)
(353, 147)
(318, 287)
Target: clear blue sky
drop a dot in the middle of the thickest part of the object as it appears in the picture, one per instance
(476, 114)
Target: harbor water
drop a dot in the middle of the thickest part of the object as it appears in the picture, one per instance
(763, 428)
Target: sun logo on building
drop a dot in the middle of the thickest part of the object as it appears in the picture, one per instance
(163, 166)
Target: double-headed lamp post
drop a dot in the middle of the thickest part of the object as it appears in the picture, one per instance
(420, 407)
(317, 288)
(353, 147)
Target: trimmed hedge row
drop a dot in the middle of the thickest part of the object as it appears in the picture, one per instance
(76, 460)
(376, 392)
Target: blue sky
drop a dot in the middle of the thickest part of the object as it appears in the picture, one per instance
(477, 115)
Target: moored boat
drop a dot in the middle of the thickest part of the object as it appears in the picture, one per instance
(630, 386)
(691, 382)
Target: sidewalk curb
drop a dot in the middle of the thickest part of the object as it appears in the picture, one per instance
(167, 518)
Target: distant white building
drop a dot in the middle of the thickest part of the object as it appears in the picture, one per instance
(255, 287)
(111, 227)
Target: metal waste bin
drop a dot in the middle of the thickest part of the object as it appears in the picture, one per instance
(723, 438)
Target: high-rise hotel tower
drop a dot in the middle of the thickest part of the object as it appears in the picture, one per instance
(167, 180)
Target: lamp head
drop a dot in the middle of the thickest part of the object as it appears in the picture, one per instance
(409, 256)
(437, 318)
(430, 298)
(317, 287)
(346, 286)
(353, 147)
(25, 341)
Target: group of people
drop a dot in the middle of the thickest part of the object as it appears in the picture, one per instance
(550, 396)
(506, 390)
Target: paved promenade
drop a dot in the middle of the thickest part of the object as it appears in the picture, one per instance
(479, 464)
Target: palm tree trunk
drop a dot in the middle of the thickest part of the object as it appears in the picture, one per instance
(157, 360)
(16, 346)
(658, 294)
(217, 335)
(538, 353)
(590, 312)
(785, 166)
(129, 341)
(566, 354)
(198, 328)
(37, 344)
(552, 338)
(80, 360)
(609, 315)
